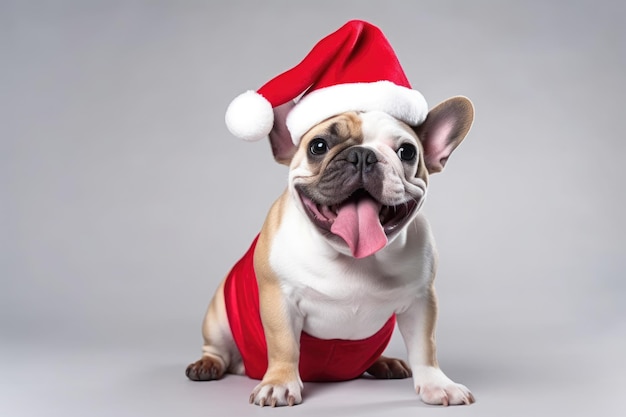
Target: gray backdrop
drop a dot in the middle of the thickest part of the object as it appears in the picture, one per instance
(124, 199)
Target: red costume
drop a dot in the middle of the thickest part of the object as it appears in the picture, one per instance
(320, 359)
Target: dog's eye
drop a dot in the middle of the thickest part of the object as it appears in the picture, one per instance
(407, 152)
(318, 146)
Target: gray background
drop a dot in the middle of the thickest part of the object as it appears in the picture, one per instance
(124, 199)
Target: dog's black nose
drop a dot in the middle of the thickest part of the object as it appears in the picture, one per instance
(362, 158)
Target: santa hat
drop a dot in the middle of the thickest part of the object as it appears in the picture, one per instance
(352, 69)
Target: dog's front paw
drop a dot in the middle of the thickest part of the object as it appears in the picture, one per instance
(276, 393)
(435, 388)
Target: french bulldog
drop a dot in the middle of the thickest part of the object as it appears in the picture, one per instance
(344, 255)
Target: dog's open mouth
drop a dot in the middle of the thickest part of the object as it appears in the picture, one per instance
(360, 220)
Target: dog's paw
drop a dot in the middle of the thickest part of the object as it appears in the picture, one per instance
(277, 393)
(449, 394)
(389, 368)
(205, 369)
(435, 388)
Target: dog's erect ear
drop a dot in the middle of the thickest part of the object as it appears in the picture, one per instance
(280, 138)
(444, 129)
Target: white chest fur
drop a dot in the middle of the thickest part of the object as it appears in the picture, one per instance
(342, 297)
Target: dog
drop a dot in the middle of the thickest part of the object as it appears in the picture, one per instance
(344, 254)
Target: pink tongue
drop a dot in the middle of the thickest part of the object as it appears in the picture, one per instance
(357, 223)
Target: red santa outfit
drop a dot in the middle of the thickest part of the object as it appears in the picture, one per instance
(320, 359)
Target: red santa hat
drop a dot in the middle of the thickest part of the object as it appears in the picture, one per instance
(352, 69)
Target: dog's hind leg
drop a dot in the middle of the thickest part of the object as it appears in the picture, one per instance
(219, 352)
(389, 368)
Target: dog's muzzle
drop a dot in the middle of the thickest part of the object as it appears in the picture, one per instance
(346, 202)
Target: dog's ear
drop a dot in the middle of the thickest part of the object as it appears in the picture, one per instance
(280, 138)
(444, 129)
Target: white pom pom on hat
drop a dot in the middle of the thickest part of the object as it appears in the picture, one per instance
(250, 116)
(352, 69)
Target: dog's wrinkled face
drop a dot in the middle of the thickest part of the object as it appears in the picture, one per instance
(360, 178)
